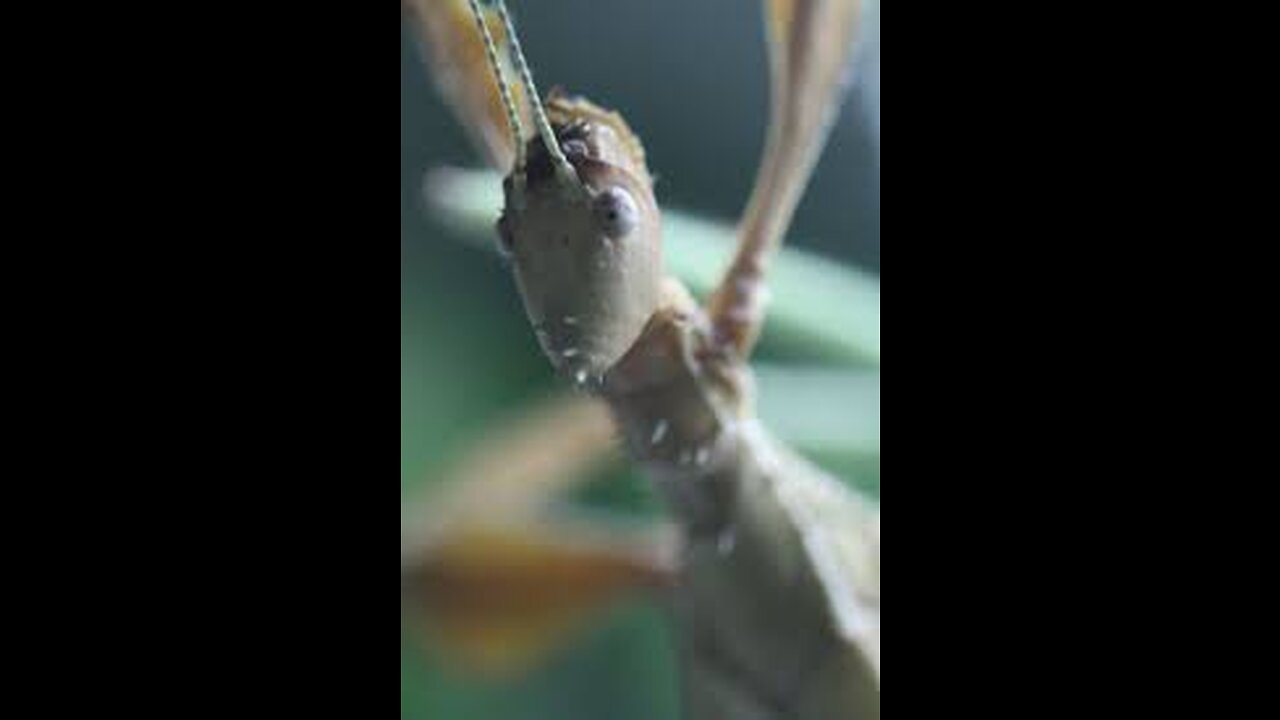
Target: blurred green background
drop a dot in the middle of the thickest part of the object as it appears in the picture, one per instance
(691, 80)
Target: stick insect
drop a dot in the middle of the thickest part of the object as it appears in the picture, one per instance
(772, 572)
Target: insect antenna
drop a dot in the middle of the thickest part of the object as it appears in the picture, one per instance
(563, 168)
(513, 117)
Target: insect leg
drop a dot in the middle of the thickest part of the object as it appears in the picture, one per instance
(810, 46)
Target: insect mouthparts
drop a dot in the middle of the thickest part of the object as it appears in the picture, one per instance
(539, 165)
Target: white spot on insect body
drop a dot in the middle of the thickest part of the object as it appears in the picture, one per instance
(702, 456)
(659, 432)
(726, 541)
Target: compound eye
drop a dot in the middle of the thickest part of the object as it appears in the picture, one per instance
(616, 212)
(575, 149)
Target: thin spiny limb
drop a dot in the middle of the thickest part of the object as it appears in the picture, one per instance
(810, 46)
(737, 307)
(517, 468)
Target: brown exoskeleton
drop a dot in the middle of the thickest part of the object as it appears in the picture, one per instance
(775, 592)
(584, 239)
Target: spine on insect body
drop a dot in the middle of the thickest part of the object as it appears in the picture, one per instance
(778, 588)
(776, 593)
(677, 400)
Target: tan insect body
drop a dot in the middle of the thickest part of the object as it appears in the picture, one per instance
(776, 595)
